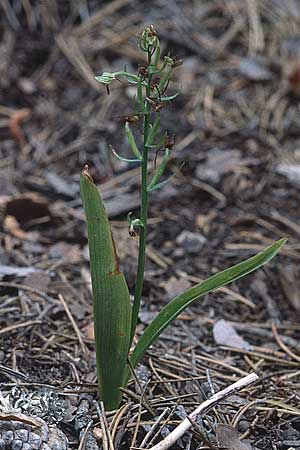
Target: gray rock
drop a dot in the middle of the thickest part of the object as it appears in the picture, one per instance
(191, 242)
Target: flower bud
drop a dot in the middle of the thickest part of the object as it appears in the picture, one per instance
(173, 62)
(106, 78)
(168, 60)
(149, 39)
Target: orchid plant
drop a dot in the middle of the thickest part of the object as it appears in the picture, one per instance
(115, 317)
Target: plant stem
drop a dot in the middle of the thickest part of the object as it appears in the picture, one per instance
(144, 217)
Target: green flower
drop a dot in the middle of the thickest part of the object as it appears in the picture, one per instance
(106, 78)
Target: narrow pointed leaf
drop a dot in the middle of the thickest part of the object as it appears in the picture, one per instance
(132, 142)
(163, 183)
(160, 144)
(168, 98)
(159, 171)
(111, 301)
(123, 159)
(179, 303)
(165, 80)
(153, 131)
(140, 97)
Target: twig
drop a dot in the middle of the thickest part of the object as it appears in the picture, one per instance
(203, 408)
(107, 10)
(202, 434)
(28, 323)
(154, 427)
(106, 435)
(84, 436)
(282, 344)
(24, 287)
(14, 373)
(74, 325)
(72, 51)
(142, 391)
(138, 422)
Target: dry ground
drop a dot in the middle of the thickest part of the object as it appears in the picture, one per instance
(237, 129)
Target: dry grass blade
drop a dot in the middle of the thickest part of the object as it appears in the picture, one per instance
(71, 50)
(74, 325)
(97, 18)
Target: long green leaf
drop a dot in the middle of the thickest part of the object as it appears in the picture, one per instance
(179, 303)
(168, 98)
(121, 157)
(111, 300)
(132, 142)
(163, 183)
(153, 131)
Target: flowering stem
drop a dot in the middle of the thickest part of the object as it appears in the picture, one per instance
(143, 217)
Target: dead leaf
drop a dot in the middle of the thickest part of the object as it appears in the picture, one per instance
(70, 253)
(220, 162)
(38, 280)
(291, 76)
(225, 334)
(25, 207)
(12, 226)
(89, 332)
(19, 417)
(204, 221)
(97, 433)
(228, 438)
(14, 125)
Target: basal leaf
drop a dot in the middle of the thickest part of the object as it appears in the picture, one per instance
(179, 303)
(111, 301)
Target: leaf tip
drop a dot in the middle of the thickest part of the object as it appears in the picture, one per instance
(85, 172)
(283, 240)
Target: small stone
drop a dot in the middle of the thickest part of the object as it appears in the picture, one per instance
(191, 242)
(17, 445)
(26, 446)
(8, 437)
(26, 86)
(22, 435)
(243, 426)
(178, 253)
(35, 441)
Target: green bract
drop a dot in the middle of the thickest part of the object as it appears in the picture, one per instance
(115, 319)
